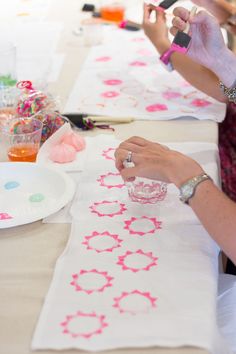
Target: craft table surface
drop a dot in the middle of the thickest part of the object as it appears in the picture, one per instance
(28, 253)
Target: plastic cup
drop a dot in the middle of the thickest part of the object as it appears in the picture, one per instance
(20, 138)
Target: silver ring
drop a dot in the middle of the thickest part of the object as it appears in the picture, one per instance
(129, 156)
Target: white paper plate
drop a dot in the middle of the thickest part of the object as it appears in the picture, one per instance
(30, 192)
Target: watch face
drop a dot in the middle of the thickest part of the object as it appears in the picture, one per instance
(187, 190)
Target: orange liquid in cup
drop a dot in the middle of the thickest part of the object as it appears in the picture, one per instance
(113, 13)
(23, 153)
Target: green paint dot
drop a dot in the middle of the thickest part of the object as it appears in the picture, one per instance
(36, 198)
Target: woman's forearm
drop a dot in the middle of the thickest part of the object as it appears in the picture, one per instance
(217, 213)
(198, 76)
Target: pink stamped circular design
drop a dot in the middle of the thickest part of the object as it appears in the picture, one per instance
(5, 216)
(147, 302)
(97, 277)
(104, 242)
(171, 94)
(156, 107)
(103, 59)
(104, 183)
(96, 322)
(138, 63)
(140, 257)
(154, 225)
(109, 154)
(138, 39)
(198, 102)
(110, 94)
(118, 208)
(112, 82)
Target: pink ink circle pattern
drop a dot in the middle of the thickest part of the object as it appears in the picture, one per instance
(111, 180)
(151, 224)
(146, 260)
(97, 277)
(171, 94)
(95, 322)
(200, 103)
(102, 242)
(109, 154)
(112, 82)
(156, 107)
(135, 306)
(138, 63)
(103, 59)
(112, 208)
(110, 94)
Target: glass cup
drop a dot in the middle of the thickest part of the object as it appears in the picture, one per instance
(92, 33)
(7, 64)
(146, 191)
(20, 138)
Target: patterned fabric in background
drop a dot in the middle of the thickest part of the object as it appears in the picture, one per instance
(227, 147)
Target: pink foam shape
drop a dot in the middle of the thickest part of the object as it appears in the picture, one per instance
(153, 261)
(112, 82)
(106, 154)
(110, 94)
(156, 225)
(5, 216)
(121, 206)
(102, 180)
(156, 107)
(96, 234)
(76, 278)
(69, 318)
(118, 300)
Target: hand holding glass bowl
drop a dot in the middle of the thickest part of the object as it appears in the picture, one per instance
(144, 190)
(21, 139)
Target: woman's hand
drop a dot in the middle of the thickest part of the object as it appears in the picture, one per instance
(155, 161)
(207, 46)
(156, 31)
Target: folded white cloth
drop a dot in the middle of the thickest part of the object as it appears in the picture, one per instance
(226, 308)
(131, 275)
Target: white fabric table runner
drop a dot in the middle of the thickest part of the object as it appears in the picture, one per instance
(132, 275)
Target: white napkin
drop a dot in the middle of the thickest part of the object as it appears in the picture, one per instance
(43, 154)
(131, 276)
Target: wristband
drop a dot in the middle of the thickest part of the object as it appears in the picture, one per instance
(165, 59)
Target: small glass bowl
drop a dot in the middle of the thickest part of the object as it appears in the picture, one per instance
(146, 191)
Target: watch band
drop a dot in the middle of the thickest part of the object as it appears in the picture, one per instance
(187, 190)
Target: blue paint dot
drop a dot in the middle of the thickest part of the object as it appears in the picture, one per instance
(11, 185)
(36, 198)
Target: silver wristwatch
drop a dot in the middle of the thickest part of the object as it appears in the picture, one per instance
(187, 189)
